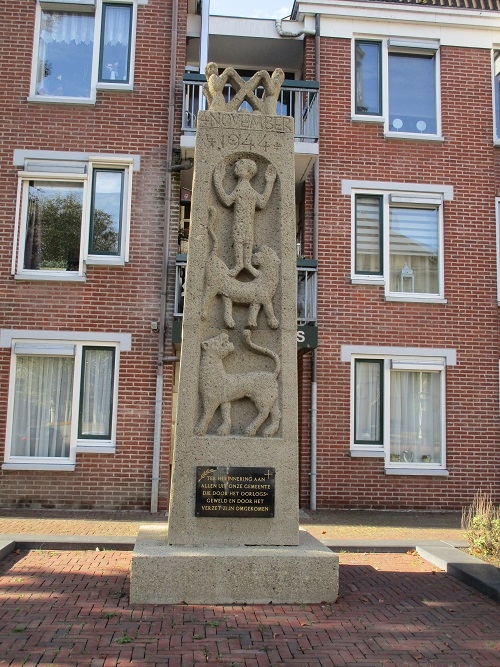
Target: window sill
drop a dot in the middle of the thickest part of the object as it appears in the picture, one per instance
(105, 261)
(432, 472)
(118, 87)
(413, 137)
(59, 277)
(358, 118)
(368, 280)
(62, 467)
(367, 453)
(95, 448)
(47, 99)
(416, 299)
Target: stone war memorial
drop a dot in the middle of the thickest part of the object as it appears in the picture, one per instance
(233, 530)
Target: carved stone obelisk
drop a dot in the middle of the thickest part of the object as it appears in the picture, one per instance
(233, 533)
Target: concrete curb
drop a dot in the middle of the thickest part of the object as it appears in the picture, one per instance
(482, 576)
(7, 546)
(68, 542)
(385, 546)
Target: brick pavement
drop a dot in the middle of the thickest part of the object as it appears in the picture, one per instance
(70, 609)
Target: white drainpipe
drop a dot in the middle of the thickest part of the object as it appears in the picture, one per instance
(314, 386)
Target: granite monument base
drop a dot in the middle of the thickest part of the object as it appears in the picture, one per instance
(165, 574)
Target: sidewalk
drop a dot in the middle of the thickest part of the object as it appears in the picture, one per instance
(335, 527)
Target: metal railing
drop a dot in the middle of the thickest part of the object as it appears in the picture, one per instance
(307, 273)
(307, 290)
(297, 98)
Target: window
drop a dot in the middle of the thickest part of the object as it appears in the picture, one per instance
(63, 397)
(79, 48)
(398, 406)
(71, 214)
(497, 208)
(395, 81)
(397, 242)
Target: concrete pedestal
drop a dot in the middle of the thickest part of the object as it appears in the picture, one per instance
(165, 574)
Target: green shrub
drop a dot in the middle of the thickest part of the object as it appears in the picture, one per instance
(481, 523)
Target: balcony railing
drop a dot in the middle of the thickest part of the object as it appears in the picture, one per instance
(307, 289)
(297, 98)
(307, 271)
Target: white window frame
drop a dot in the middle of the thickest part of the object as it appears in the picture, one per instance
(93, 7)
(404, 46)
(497, 214)
(496, 111)
(417, 359)
(52, 343)
(410, 195)
(61, 171)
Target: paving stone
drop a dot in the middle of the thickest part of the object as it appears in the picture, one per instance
(394, 609)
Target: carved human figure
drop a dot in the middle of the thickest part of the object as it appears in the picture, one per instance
(256, 294)
(245, 200)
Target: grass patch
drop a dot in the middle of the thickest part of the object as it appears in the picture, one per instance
(481, 523)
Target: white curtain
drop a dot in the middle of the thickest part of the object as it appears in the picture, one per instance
(416, 415)
(117, 25)
(368, 417)
(42, 406)
(67, 27)
(116, 43)
(65, 54)
(97, 392)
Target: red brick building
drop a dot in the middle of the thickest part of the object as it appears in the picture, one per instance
(397, 132)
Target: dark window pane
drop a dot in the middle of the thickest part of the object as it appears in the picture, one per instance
(53, 226)
(368, 88)
(412, 93)
(64, 67)
(115, 43)
(106, 212)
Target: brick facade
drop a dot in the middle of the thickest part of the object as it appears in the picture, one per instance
(127, 299)
(360, 315)
(112, 299)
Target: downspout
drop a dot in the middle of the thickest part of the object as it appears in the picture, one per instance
(314, 386)
(291, 33)
(155, 479)
(204, 36)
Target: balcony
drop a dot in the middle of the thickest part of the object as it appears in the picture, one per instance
(307, 272)
(298, 99)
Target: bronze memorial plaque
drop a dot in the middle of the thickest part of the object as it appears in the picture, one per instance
(234, 492)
